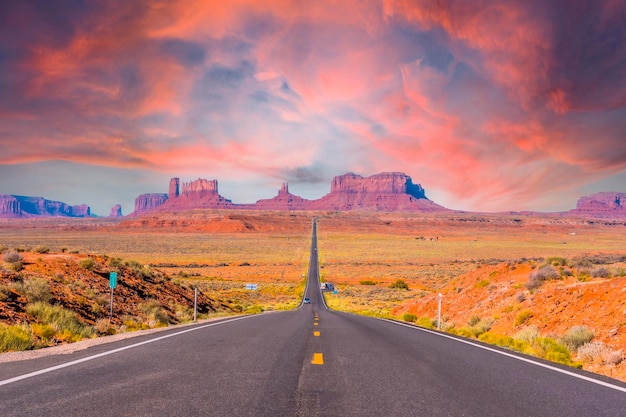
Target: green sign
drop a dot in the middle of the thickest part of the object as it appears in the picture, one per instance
(113, 279)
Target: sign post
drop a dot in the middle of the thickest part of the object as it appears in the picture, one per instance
(439, 297)
(112, 285)
(251, 287)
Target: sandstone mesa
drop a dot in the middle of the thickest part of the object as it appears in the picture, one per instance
(384, 192)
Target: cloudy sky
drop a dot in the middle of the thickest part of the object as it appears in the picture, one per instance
(490, 105)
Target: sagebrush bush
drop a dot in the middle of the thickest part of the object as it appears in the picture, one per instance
(14, 338)
(545, 273)
(367, 282)
(598, 352)
(576, 337)
(12, 257)
(34, 289)
(527, 334)
(600, 272)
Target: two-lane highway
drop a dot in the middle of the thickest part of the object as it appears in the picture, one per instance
(308, 362)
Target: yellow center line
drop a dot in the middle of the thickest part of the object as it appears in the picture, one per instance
(314, 324)
(316, 333)
(318, 359)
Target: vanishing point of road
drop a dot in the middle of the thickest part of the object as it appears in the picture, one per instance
(308, 362)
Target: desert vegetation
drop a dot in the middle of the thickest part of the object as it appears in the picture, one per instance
(549, 288)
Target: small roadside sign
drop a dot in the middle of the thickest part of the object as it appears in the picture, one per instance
(113, 280)
(251, 287)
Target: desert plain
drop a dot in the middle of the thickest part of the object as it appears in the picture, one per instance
(549, 286)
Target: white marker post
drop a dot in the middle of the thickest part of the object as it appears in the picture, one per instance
(195, 305)
(439, 297)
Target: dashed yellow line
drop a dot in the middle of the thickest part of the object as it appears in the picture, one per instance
(316, 333)
(318, 359)
(314, 324)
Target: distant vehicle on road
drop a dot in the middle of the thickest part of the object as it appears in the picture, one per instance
(327, 286)
(307, 300)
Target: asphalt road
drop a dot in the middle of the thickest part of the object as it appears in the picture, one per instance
(308, 362)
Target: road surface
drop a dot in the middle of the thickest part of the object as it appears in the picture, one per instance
(307, 362)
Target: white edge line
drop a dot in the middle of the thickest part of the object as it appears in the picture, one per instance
(511, 355)
(110, 352)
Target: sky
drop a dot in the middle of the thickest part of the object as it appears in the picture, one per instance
(489, 105)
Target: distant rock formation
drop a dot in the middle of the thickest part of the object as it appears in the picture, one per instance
(602, 204)
(195, 194)
(116, 211)
(283, 201)
(390, 191)
(174, 191)
(148, 202)
(25, 206)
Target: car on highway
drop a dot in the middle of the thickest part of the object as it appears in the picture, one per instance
(307, 300)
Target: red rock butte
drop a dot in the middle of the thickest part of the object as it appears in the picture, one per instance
(389, 191)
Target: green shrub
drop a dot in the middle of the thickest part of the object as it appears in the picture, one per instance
(522, 317)
(138, 269)
(496, 339)
(483, 283)
(14, 338)
(41, 249)
(425, 322)
(409, 317)
(16, 266)
(66, 324)
(556, 261)
(473, 321)
(400, 285)
(34, 289)
(155, 313)
(367, 282)
(550, 349)
(44, 331)
(87, 263)
(482, 326)
(576, 337)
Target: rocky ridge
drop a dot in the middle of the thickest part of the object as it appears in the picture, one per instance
(24, 206)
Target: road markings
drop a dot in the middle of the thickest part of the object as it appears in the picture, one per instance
(314, 324)
(316, 333)
(318, 359)
(110, 352)
(511, 355)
